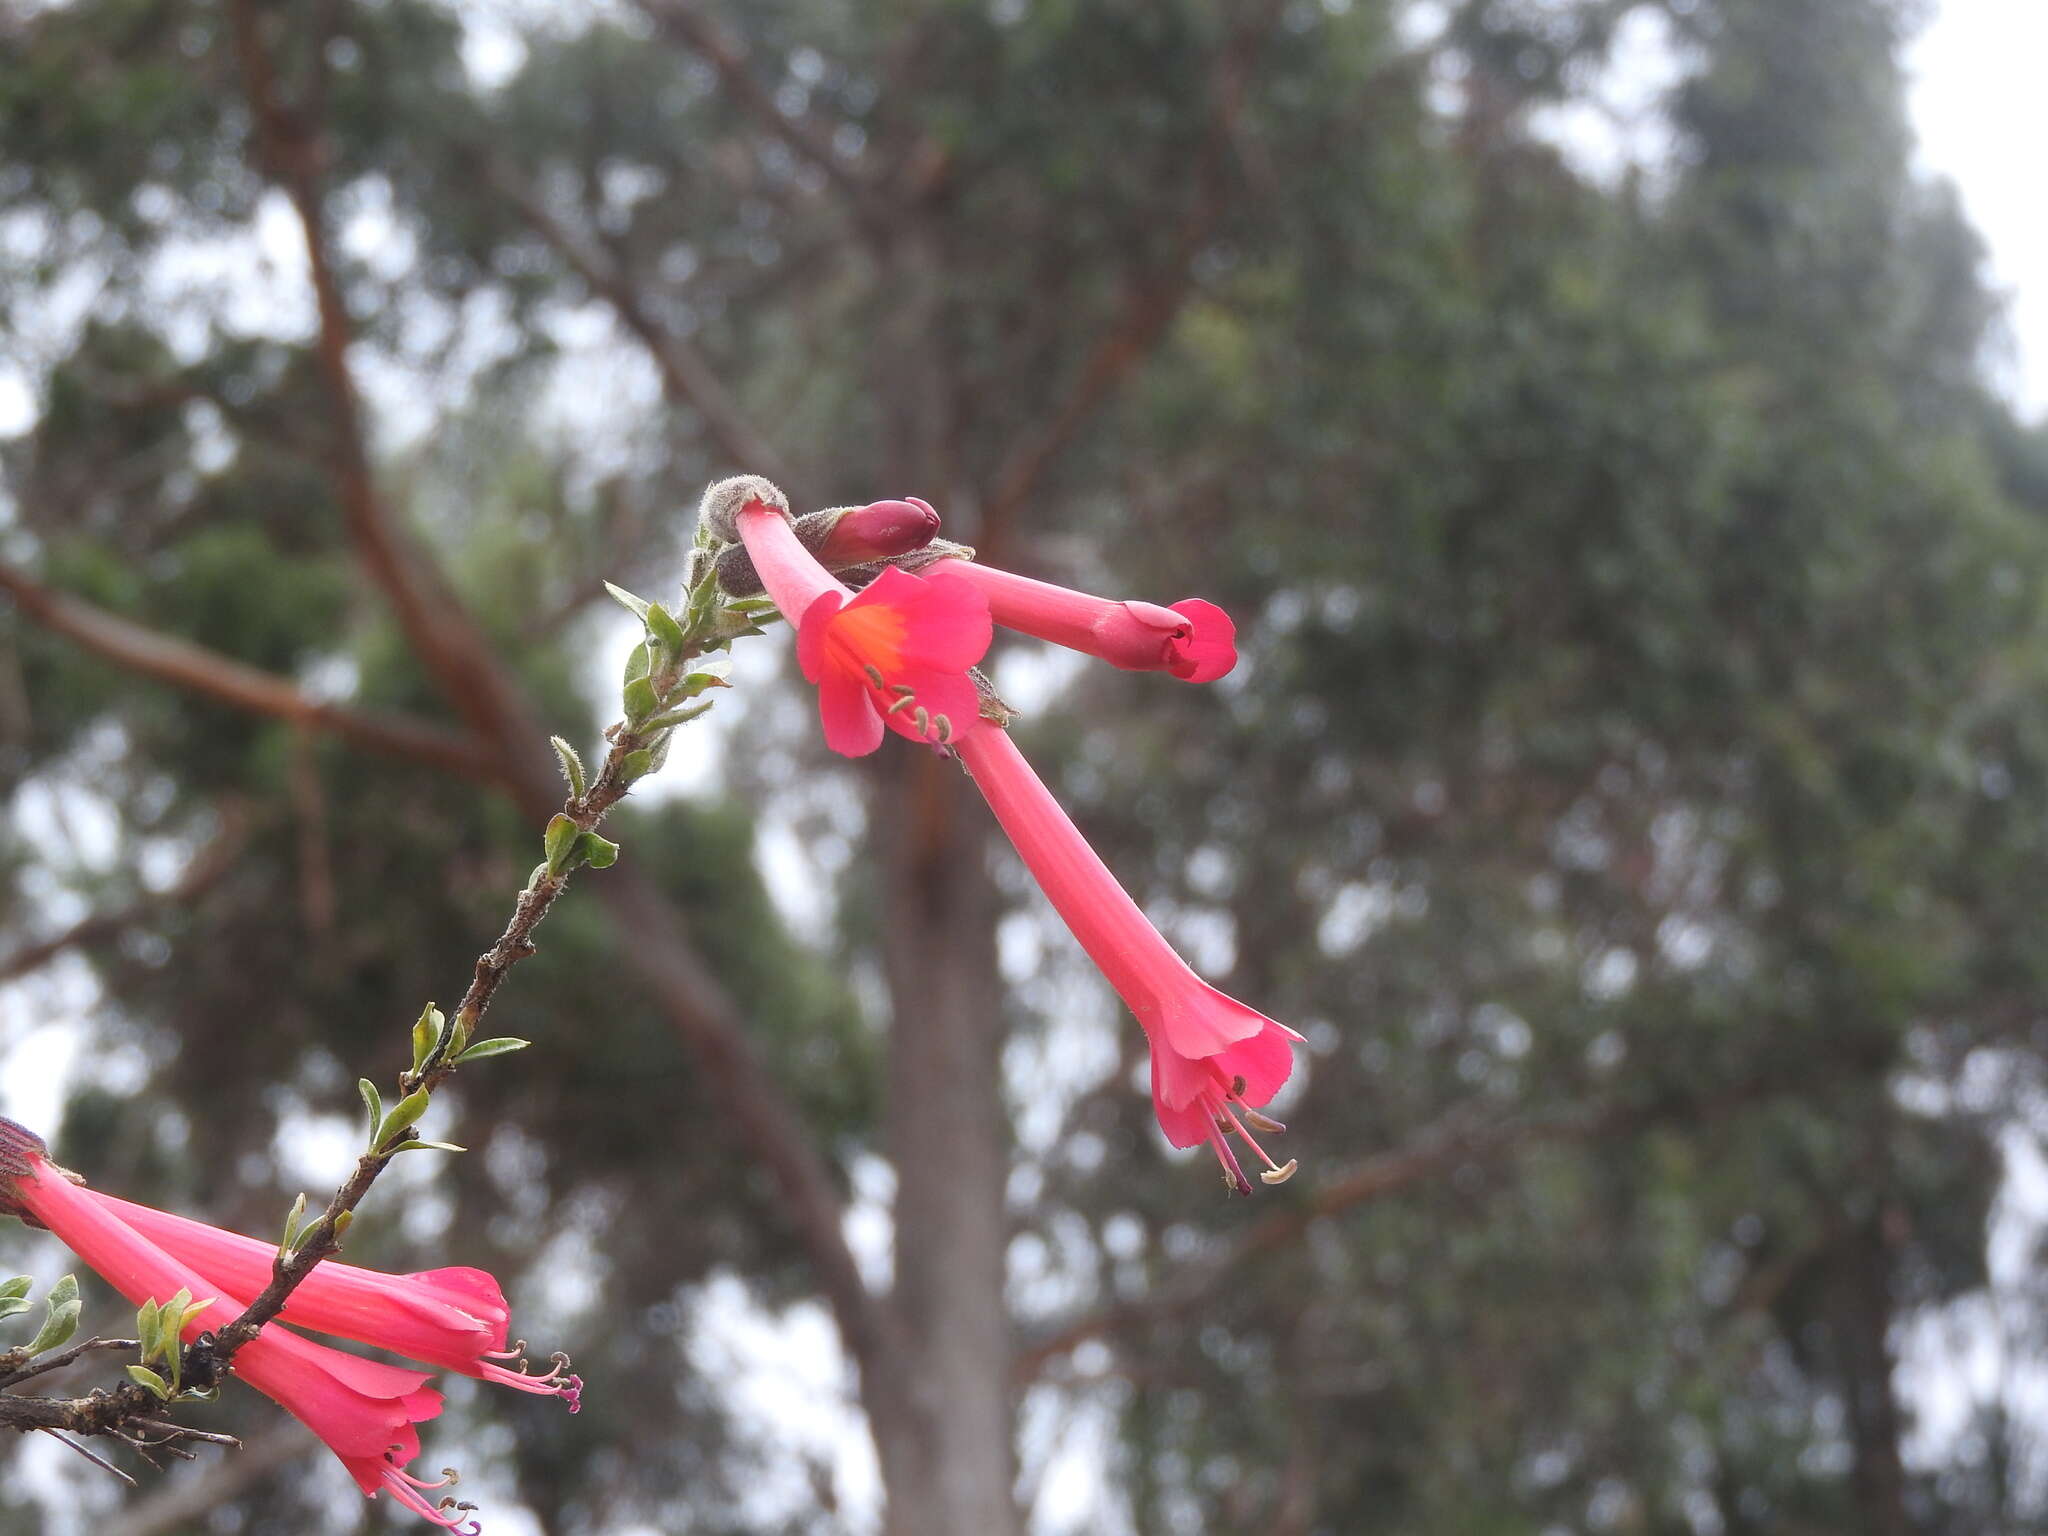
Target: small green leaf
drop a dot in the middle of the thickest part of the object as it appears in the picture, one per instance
(639, 699)
(144, 1376)
(598, 853)
(373, 1101)
(664, 630)
(503, 1045)
(426, 1034)
(638, 664)
(676, 717)
(428, 1146)
(146, 1319)
(637, 606)
(403, 1115)
(192, 1310)
(704, 597)
(14, 1296)
(572, 766)
(635, 766)
(62, 1307)
(342, 1223)
(560, 839)
(711, 672)
(294, 1225)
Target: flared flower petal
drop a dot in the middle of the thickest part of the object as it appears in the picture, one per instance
(894, 654)
(1213, 1058)
(455, 1319)
(362, 1410)
(1204, 647)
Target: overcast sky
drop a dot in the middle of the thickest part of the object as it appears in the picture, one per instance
(1981, 120)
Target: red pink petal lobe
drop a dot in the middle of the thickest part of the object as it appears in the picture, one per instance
(895, 655)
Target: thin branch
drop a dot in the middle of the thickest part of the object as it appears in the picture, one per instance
(178, 1504)
(90, 1455)
(686, 377)
(56, 1360)
(206, 870)
(291, 149)
(1461, 1136)
(166, 658)
(689, 23)
(455, 653)
(1155, 300)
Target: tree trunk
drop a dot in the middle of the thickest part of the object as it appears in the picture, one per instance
(949, 1464)
(948, 1140)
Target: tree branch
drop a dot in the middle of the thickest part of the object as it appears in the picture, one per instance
(206, 869)
(1461, 1136)
(686, 377)
(291, 149)
(177, 1505)
(708, 1020)
(1154, 301)
(168, 659)
(688, 22)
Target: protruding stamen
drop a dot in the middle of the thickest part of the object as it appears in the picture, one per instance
(922, 719)
(1238, 1086)
(1260, 1122)
(1275, 1174)
(905, 689)
(1233, 1173)
(874, 674)
(945, 727)
(903, 703)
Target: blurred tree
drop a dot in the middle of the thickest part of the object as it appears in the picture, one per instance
(1634, 784)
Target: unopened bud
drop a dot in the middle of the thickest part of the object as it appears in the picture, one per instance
(726, 499)
(857, 535)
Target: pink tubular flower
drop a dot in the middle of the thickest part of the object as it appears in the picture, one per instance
(1213, 1059)
(1193, 639)
(894, 655)
(364, 1411)
(455, 1319)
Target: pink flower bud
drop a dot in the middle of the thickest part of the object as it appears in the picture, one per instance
(859, 535)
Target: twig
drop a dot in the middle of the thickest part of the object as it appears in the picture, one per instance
(1155, 300)
(1458, 1137)
(686, 377)
(166, 658)
(459, 658)
(206, 869)
(90, 1455)
(177, 1504)
(208, 1359)
(691, 24)
(56, 1360)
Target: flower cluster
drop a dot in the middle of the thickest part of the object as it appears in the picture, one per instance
(365, 1411)
(897, 655)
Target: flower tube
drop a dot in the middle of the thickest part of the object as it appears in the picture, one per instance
(455, 1319)
(362, 1410)
(1214, 1061)
(1192, 639)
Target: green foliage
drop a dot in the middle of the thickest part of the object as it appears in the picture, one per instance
(1639, 743)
